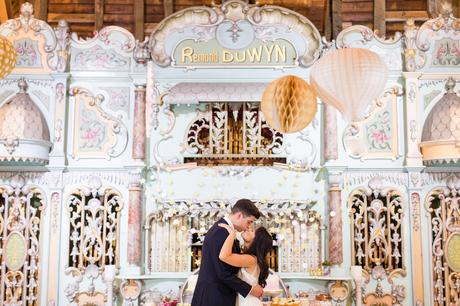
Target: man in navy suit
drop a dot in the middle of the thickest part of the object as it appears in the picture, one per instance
(217, 283)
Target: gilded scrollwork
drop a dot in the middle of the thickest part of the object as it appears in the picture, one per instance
(215, 132)
(376, 214)
(21, 209)
(94, 221)
(347, 37)
(418, 41)
(379, 297)
(442, 206)
(87, 277)
(414, 58)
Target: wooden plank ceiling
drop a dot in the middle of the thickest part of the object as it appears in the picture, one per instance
(141, 16)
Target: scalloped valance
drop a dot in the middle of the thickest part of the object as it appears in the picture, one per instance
(193, 93)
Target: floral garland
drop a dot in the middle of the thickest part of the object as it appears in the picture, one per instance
(276, 212)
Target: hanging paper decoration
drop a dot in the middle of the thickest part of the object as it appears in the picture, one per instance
(289, 104)
(7, 57)
(349, 79)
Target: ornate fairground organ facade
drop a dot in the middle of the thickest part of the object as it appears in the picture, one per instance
(117, 155)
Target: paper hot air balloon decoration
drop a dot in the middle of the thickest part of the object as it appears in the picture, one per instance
(349, 79)
(7, 57)
(289, 104)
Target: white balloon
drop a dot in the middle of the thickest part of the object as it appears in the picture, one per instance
(349, 79)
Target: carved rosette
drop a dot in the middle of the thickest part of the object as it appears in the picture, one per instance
(139, 123)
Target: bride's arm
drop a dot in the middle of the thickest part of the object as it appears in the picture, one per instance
(236, 260)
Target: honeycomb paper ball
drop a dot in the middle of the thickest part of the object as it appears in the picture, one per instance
(7, 57)
(289, 104)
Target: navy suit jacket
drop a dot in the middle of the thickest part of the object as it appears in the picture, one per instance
(217, 283)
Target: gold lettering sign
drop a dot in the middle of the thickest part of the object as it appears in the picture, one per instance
(453, 252)
(278, 53)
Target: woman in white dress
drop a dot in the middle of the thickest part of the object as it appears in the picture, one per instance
(253, 262)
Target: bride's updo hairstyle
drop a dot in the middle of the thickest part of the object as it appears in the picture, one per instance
(260, 247)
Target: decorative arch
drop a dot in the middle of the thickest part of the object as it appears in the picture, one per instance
(206, 20)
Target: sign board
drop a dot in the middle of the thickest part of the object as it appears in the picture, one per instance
(277, 53)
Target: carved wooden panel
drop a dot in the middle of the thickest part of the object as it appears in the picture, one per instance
(94, 223)
(21, 209)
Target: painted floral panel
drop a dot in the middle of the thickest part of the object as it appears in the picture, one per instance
(379, 131)
(97, 59)
(92, 133)
(447, 53)
(27, 54)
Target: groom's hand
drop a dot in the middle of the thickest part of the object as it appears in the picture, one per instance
(257, 291)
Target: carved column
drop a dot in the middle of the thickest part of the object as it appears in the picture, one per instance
(139, 123)
(54, 182)
(330, 133)
(152, 107)
(134, 224)
(415, 184)
(413, 124)
(335, 220)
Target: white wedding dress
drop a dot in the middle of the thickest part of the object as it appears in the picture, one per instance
(251, 279)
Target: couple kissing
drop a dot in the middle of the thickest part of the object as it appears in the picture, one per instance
(227, 273)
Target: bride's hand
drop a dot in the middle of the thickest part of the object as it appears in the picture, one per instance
(228, 228)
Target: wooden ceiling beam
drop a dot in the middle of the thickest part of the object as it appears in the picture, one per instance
(139, 19)
(327, 20)
(168, 6)
(432, 8)
(379, 17)
(99, 12)
(41, 9)
(391, 16)
(336, 25)
(72, 18)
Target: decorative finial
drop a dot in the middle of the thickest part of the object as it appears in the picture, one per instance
(450, 85)
(22, 84)
(446, 9)
(27, 9)
(141, 51)
(62, 23)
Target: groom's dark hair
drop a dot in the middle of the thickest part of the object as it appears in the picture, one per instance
(247, 208)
